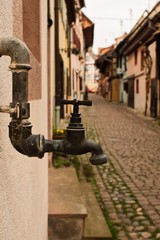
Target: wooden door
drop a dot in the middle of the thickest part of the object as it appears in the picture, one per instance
(153, 103)
(131, 92)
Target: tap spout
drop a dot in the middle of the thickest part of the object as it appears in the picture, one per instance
(85, 146)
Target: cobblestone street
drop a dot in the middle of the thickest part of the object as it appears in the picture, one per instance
(129, 183)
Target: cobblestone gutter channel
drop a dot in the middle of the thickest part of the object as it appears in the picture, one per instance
(126, 217)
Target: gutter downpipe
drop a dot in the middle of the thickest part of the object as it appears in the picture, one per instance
(57, 63)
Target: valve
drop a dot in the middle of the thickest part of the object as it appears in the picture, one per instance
(76, 103)
(75, 120)
(75, 140)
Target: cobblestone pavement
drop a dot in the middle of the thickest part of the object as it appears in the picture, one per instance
(129, 183)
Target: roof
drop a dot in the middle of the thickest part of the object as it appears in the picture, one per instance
(70, 11)
(144, 31)
(102, 61)
(107, 53)
(88, 31)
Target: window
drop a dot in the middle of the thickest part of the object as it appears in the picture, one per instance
(135, 57)
(125, 63)
(142, 60)
(126, 87)
(137, 85)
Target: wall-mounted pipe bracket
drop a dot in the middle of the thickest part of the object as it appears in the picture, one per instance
(20, 111)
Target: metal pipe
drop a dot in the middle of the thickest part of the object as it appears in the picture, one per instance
(18, 52)
(20, 129)
(19, 66)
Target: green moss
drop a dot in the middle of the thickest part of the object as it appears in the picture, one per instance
(74, 160)
(87, 172)
(110, 224)
(60, 161)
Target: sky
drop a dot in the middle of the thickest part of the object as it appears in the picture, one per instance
(112, 18)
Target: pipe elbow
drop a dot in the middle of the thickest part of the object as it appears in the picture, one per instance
(23, 141)
(18, 52)
(33, 146)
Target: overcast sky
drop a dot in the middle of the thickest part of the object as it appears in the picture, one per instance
(114, 17)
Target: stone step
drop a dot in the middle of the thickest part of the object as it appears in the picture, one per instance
(73, 212)
(95, 225)
(66, 213)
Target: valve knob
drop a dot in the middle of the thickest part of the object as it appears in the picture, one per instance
(76, 103)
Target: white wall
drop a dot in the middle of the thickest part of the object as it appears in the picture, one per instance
(23, 180)
(140, 97)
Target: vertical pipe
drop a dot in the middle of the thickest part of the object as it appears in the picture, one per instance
(157, 102)
(19, 66)
(20, 87)
(57, 51)
(57, 64)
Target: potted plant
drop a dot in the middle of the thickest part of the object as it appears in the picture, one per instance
(59, 134)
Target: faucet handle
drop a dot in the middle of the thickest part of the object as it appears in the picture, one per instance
(76, 102)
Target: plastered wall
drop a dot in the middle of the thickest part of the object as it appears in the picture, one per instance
(23, 180)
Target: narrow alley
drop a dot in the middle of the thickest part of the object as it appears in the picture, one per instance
(129, 182)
